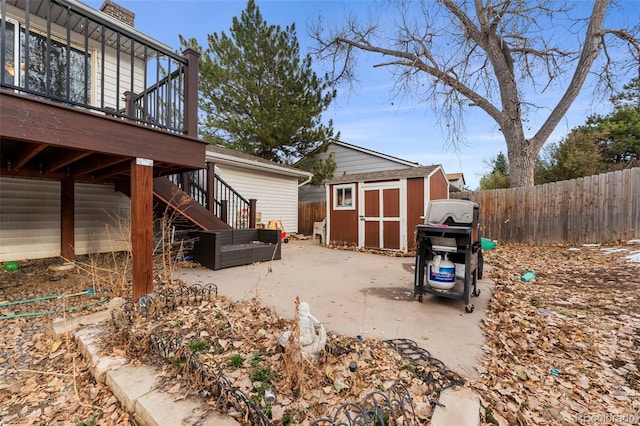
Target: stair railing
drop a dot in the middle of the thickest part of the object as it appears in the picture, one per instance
(211, 191)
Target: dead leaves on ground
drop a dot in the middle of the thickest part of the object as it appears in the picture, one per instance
(43, 380)
(240, 341)
(565, 346)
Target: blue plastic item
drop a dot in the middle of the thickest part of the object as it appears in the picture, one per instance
(528, 276)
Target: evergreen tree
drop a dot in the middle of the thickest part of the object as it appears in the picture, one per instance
(618, 134)
(498, 177)
(258, 95)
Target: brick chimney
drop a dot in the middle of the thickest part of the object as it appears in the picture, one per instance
(118, 12)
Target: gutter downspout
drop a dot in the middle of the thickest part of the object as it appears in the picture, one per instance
(305, 182)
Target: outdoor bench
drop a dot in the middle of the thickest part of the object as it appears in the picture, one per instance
(234, 247)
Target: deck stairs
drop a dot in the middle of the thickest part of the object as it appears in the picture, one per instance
(190, 211)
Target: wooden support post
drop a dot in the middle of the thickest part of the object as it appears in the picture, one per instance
(184, 181)
(141, 225)
(191, 93)
(67, 219)
(252, 212)
(211, 187)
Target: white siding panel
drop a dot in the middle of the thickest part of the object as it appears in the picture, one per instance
(276, 195)
(102, 219)
(30, 219)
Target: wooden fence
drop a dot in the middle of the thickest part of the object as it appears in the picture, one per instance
(309, 212)
(595, 209)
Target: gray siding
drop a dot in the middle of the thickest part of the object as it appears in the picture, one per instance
(353, 161)
(348, 161)
(312, 193)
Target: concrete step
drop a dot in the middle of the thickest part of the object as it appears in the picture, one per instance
(460, 407)
(136, 387)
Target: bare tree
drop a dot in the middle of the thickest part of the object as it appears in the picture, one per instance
(499, 56)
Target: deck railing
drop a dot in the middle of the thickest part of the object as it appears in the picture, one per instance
(212, 192)
(67, 52)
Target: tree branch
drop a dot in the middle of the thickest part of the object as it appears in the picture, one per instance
(587, 57)
(413, 61)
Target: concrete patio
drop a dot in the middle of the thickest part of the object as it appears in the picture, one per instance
(359, 294)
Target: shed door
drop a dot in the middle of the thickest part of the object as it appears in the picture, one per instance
(382, 216)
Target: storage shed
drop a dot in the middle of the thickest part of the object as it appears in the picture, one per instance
(382, 209)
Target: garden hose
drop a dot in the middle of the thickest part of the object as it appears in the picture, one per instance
(38, 299)
(55, 311)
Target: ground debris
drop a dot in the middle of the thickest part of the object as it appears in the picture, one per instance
(239, 341)
(564, 348)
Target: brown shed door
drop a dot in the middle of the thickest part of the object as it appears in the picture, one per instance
(381, 217)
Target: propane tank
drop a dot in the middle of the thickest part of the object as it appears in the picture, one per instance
(441, 273)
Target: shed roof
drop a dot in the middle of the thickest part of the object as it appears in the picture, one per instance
(411, 172)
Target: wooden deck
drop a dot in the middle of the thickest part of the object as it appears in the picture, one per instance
(106, 116)
(46, 140)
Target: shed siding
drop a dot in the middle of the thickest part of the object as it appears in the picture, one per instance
(415, 208)
(30, 219)
(438, 186)
(343, 224)
(276, 195)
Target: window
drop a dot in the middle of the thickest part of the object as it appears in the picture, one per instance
(53, 69)
(344, 197)
(11, 57)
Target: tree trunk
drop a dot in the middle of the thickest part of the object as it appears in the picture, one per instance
(522, 159)
(521, 168)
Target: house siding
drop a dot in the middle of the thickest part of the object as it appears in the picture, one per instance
(102, 219)
(276, 195)
(348, 161)
(30, 219)
(354, 161)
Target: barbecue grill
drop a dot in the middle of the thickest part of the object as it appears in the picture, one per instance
(450, 236)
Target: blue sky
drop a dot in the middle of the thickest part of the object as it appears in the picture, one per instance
(366, 115)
